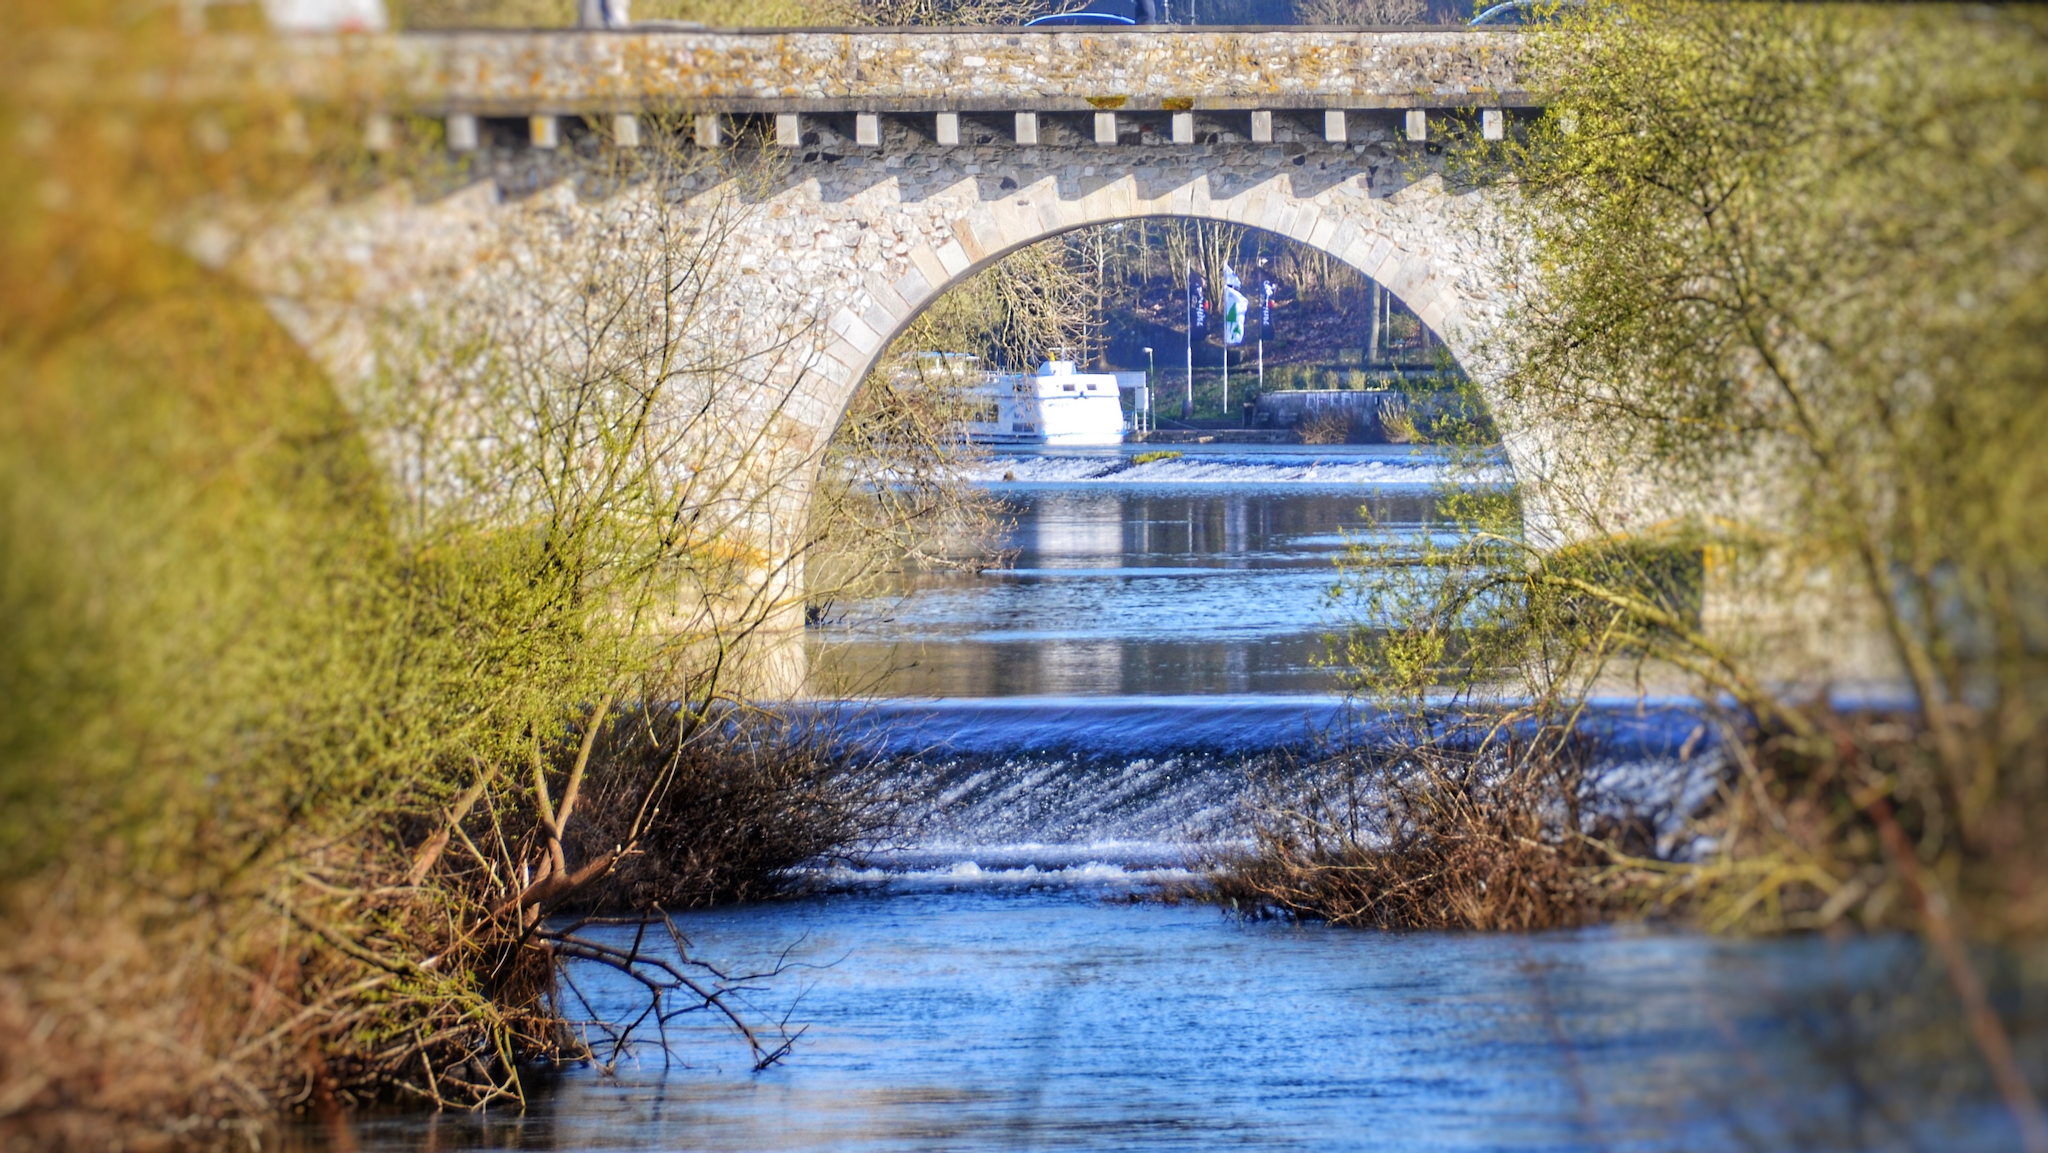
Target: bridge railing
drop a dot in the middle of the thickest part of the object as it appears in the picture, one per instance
(1008, 76)
(932, 78)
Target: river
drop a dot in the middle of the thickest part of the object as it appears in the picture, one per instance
(1085, 720)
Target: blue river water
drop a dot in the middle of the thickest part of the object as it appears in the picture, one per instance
(1081, 726)
(1000, 1015)
(1202, 574)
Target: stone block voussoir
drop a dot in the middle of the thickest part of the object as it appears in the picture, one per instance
(926, 261)
(843, 362)
(883, 290)
(1300, 222)
(913, 286)
(1340, 242)
(1278, 211)
(953, 258)
(986, 234)
(885, 320)
(855, 331)
(1324, 231)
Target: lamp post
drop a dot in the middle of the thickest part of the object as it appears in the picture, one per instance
(1148, 386)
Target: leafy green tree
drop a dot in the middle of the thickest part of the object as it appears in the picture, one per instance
(1788, 275)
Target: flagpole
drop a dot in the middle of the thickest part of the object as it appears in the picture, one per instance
(1187, 403)
(1265, 315)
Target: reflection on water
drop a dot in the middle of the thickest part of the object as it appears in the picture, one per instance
(977, 1017)
(985, 986)
(1193, 581)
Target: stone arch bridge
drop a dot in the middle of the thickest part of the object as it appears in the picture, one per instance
(903, 161)
(864, 172)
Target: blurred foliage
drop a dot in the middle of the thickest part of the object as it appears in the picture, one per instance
(1778, 339)
(174, 472)
(1798, 256)
(291, 753)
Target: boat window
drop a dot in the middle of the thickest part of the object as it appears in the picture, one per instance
(1067, 387)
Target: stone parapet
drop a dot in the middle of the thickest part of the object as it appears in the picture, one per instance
(495, 73)
(1006, 69)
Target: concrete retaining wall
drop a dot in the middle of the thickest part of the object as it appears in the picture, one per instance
(1366, 416)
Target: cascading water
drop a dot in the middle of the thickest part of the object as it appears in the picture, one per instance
(1086, 722)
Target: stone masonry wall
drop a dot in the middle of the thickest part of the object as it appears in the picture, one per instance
(832, 248)
(868, 69)
(848, 244)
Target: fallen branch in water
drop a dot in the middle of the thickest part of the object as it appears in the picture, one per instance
(663, 978)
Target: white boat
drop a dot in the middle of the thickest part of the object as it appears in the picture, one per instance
(1053, 406)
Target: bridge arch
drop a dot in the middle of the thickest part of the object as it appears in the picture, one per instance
(1403, 242)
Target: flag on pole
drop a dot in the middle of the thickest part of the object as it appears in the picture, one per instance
(1198, 306)
(1230, 279)
(1266, 290)
(1234, 308)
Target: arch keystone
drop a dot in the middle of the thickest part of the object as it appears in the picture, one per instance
(983, 236)
(1279, 214)
(1010, 230)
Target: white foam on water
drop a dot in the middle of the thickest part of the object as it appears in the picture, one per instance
(972, 874)
(1209, 468)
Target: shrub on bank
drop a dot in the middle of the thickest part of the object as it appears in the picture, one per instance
(732, 814)
(1522, 835)
(287, 799)
(1420, 837)
(1755, 484)
(294, 770)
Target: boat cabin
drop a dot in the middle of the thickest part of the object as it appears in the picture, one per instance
(1053, 406)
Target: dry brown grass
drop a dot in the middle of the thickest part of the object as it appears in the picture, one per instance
(1397, 423)
(1433, 836)
(1800, 830)
(116, 1031)
(1330, 426)
(1422, 837)
(390, 967)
